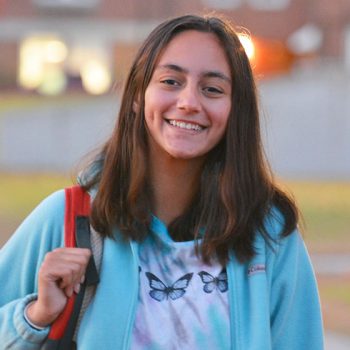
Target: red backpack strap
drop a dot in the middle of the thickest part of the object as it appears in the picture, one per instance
(76, 229)
(77, 204)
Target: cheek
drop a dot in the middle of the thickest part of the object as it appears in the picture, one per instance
(152, 105)
(147, 105)
(147, 115)
(221, 115)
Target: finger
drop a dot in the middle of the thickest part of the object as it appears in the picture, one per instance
(77, 255)
(68, 291)
(77, 288)
(62, 264)
(69, 275)
(64, 269)
(73, 250)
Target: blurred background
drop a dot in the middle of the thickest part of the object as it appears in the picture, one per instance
(62, 66)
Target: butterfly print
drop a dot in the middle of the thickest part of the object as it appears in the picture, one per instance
(159, 291)
(211, 283)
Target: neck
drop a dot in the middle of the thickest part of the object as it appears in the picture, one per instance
(174, 183)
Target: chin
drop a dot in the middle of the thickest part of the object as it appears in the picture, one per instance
(185, 155)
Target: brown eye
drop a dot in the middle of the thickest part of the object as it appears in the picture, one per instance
(212, 90)
(171, 82)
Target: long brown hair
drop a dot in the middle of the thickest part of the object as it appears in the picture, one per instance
(236, 191)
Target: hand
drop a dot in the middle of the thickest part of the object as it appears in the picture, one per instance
(60, 275)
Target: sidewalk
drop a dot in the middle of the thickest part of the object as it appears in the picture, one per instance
(335, 341)
(331, 264)
(335, 265)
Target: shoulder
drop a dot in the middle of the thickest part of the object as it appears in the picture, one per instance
(274, 242)
(274, 223)
(49, 213)
(51, 207)
(283, 252)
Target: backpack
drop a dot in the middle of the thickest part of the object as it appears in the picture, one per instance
(77, 233)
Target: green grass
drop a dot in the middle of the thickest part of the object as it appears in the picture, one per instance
(335, 301)
(13, 102)
(10, 102)
(335, 293)
(326, 210)
(21, 193)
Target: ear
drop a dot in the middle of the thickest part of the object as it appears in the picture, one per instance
(135, 106)
(137, 103)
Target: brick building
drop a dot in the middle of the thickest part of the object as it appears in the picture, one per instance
(108, 32)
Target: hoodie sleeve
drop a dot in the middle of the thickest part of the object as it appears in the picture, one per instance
(296, 321)
(20, 260)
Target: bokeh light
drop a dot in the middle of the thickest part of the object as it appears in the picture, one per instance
(41, 61)
(96, 77)
(248, 45)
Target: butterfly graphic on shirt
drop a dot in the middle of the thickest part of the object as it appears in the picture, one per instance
(159, 291)
(211, 283)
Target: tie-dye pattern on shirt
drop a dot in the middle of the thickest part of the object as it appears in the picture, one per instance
(182, 302)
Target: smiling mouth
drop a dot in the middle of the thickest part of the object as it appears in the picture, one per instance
(186, 126)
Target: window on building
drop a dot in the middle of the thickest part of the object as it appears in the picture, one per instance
(306, 40)
(269, 5)
(76, 4)
(223, 4)
(347, 49)
(47, 64)
(41, 60)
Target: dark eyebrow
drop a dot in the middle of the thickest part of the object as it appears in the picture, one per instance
(174, 67)
(208, 74)
(214, 74)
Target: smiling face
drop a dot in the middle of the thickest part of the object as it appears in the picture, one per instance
(188, 100)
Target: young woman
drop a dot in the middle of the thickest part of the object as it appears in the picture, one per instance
(201, 249)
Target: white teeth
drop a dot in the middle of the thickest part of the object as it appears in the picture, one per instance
(183, 125)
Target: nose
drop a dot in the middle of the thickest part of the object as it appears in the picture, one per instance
(189, 99)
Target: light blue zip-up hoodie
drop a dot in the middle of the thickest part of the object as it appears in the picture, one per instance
(273, 299)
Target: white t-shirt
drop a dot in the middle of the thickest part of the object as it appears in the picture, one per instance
(182, 302)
